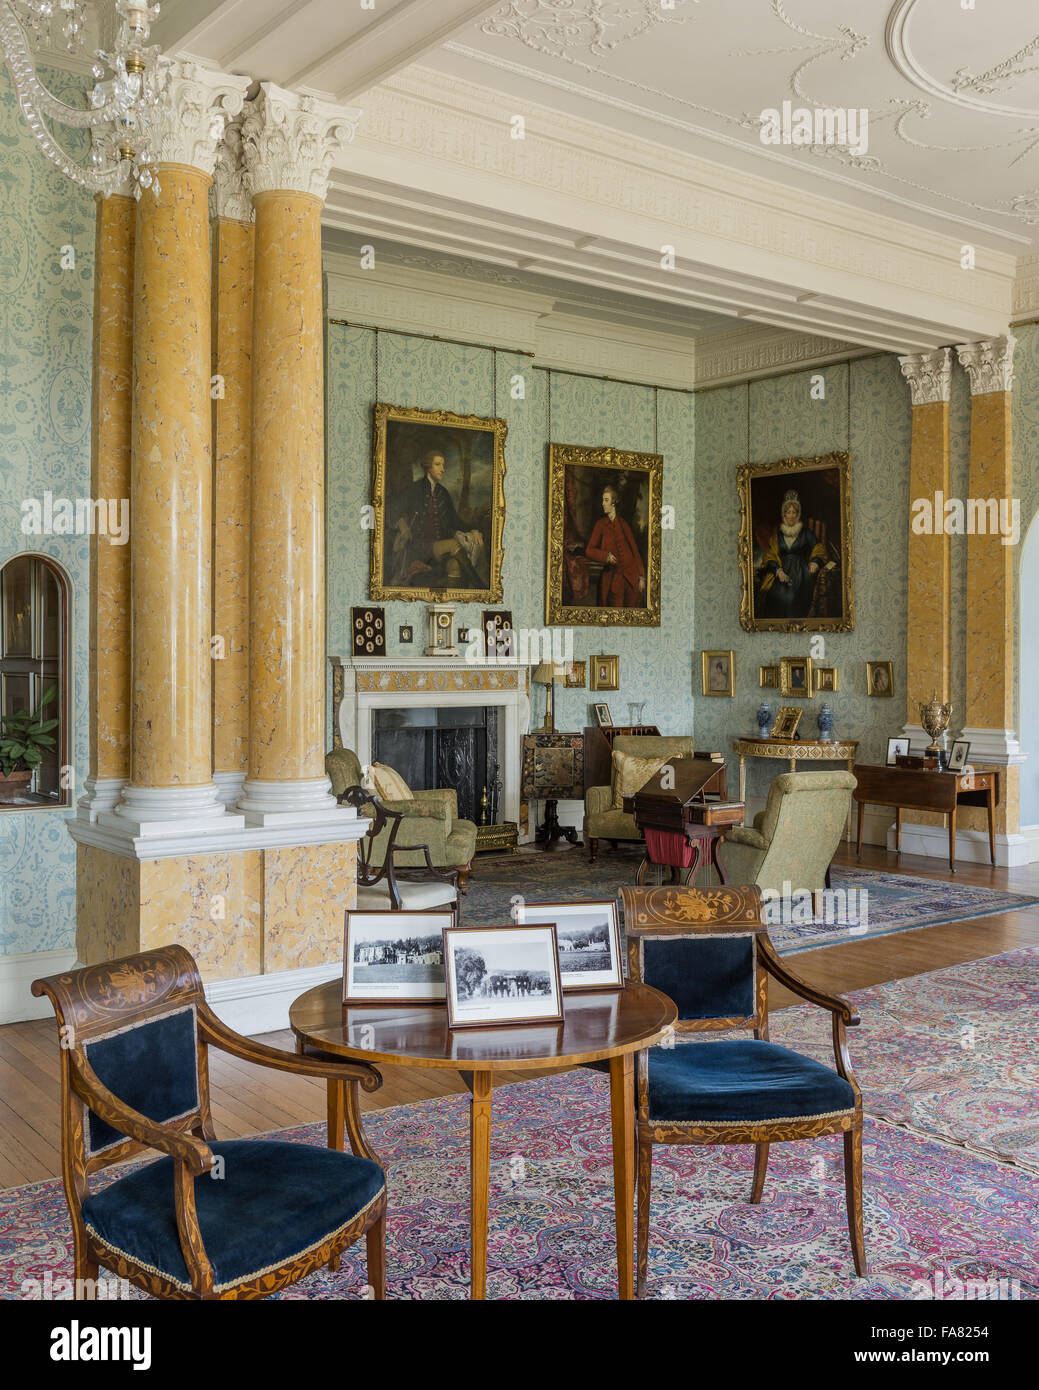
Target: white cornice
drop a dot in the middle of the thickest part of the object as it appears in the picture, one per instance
(1026, 288)
(572, 342)
(748, 353)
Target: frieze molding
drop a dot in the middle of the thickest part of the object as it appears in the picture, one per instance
(722, 358)
(989, 364)
(1026, 288)
(929, 375)
(188, 124)
(289, 142)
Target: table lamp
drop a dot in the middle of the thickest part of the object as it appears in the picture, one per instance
(547, 674)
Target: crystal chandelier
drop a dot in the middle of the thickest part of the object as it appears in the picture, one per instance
(129, 81)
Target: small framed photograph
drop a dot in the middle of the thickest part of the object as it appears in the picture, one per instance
(825, 680)
(502, 975)
(588, 939)
(768, 677)
(896, 748)
(497, 633)
(959, 755)
(394, 957)
(406, 634)
(369, 631)
(606, 673)
(795, 676)
(787, 719)
(879, 678)
(575, 676)
(718, 673)
(602, 716)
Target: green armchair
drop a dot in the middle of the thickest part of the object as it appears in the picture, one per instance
(601, 822)
(794, 838)
(430, 818)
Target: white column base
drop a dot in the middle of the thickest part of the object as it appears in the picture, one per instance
(229, 787)
(1012, 851)
(99, 794)
(159, 811)
(997, 746)
(308, 802)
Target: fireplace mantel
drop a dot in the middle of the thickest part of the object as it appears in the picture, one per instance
(361, 684)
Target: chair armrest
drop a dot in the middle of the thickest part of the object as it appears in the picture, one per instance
(597, 800)
(833, 1002)
(744, 835)
(758, 821)
(251, 1051)
(194, 1153)
(437, 801)
(437, 811)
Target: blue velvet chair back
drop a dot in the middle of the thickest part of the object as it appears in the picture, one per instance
(152, 1066)
(699, 947)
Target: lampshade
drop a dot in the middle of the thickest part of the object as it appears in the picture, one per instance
(548, 672)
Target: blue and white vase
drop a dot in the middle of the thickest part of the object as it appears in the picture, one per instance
(825, 722)
(764, 719)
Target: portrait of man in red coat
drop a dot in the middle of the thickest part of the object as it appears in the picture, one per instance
(622, 583)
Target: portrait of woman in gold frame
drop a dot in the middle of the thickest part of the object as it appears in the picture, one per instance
(795, 545)
(453, 466)
(603, 558)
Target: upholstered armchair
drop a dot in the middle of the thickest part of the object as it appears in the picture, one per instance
(602, 821)
(430, 819)
(238, 1218)
(706, 948)
(794, 838)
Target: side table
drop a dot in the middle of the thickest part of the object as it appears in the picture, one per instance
(553, 770)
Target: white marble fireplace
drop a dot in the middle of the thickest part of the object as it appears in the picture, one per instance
(361, 685)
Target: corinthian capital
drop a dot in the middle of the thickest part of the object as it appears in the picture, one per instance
(929, 375)
(188, 122)
(231, 193)
(989, 364)
(289, 141)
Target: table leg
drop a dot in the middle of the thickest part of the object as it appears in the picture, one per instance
(851, 765)
(793, 764)
(622, 1111)
(480, 1178)
(898, 830)
(723, 877)
(862, 813)
(743, 778)
(952, 840)
(992, 824)
(640, 872)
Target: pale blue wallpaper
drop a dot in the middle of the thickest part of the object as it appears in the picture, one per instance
(1026, 486)
(786, 422)
(655, 663)
(45, 365)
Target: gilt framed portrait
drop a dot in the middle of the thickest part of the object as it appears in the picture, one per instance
(880, 679)
(795, 676)
(438, 494)
(718, 673)
(795, 545)
(606, 673)
(603, 563)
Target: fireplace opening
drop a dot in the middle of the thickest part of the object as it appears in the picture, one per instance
(450, 746)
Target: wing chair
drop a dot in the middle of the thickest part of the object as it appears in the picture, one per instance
(707, 949)
(430, 819)
(601, 821)
(239, 1218)
(794, 838)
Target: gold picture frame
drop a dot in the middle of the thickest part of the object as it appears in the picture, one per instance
(768, 677)
(605, 673)
(583, 587)
(575, 676)
(718, 673)
(471, 488)
(811, 600)
(880, 678)
(825, 680)
(787, 719)
(795, 677)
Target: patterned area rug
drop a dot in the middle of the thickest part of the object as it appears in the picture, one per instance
(893, 902)
(953, 1053)
(932, 1213)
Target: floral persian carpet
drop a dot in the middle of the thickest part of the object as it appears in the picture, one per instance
(935, 1216)
(893, 902)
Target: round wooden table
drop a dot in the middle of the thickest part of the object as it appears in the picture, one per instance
(608, 1025)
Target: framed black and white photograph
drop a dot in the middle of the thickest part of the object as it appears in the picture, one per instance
(499, 975)
(602, 716)
(959, 755)
(588, 938)
(394, 957)
(896, 748)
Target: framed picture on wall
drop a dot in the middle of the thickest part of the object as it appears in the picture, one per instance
(768, 677)
(795, 545)
(431, 464)
(603, 563)
(606, 673)
(718, 673)
(879, 678)
(795, 676)
(825, 679)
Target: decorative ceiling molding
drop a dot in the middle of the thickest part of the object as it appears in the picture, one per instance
(723, 359)
(1026, 289)
(929, 375)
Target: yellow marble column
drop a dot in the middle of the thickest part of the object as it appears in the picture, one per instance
(288, 145)
(233, 236)
(111, 419)
(989, 714)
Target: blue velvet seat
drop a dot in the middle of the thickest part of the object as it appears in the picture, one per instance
(274, 1202)
(742, 1081)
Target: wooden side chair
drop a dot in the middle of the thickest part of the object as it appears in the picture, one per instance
(382, 883)
(238, 1218)
(707, 949)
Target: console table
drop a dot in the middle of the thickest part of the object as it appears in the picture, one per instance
(793, 751)
(912, 789)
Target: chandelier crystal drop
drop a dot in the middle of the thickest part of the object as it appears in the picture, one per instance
(129, 83)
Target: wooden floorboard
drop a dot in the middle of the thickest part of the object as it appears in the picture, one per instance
(251, 1100)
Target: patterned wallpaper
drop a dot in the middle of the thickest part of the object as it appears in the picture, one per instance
(1025, 425)
(655, 664)
(45, 366)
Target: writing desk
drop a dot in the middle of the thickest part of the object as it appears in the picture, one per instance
(912, 789)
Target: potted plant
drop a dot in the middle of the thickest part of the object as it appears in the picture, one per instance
(24, 738)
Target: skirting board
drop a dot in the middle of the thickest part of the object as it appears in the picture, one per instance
(1012, 851)
(17, 974)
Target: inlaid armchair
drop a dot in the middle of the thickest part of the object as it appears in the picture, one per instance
(707, 949)
(213, 1219)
